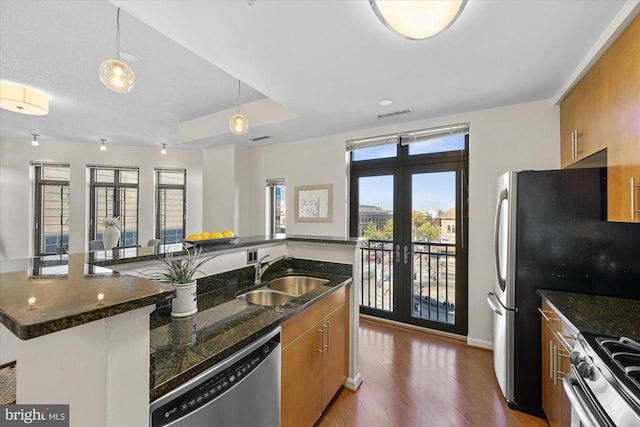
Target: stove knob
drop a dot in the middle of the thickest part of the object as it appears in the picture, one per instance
(575, 358)
(584, 370)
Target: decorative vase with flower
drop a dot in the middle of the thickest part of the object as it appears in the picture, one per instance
(111, 233)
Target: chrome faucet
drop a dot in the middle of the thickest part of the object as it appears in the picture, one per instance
(262, 266)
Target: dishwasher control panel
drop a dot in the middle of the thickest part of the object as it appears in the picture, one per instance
(213, 387)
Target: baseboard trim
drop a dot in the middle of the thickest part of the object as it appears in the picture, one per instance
(482, 344)
(352, 384)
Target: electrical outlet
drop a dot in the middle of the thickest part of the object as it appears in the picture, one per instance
(252, 256)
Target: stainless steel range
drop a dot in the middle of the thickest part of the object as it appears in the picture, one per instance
(604, 383)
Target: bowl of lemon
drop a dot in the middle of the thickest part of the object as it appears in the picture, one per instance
(213, 237)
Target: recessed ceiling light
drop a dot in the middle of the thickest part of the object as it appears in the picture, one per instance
(386, 102)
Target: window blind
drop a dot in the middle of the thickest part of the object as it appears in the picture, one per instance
(374, 141)
(275, 182)
(421, 135)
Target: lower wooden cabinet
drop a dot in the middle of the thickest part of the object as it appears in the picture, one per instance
(556, 337)
(314, 359)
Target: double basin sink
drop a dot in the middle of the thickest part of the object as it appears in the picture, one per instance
(282, 290)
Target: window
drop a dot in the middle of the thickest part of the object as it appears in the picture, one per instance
(114, 193)
(51, 221)
(171, 205)
(412, 207)
(276, 204)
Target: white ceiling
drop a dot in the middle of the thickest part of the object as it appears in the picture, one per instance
(323, 65)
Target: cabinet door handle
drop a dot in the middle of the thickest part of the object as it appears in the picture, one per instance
(555, 365)
(573, 143)
(546, 315)
(328, 336)
(321, 349)
(551, 359)
(633, 198)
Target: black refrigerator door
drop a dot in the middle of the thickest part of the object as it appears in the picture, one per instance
(564, 242)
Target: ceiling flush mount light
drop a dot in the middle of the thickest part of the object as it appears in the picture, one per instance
(103, 147)
(22, 100)
(239, 123)
(115, 74)
(35, 139)
(385, 102)
(164, 149)
(418, 20)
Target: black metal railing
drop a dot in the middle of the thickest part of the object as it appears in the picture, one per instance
(432, 279)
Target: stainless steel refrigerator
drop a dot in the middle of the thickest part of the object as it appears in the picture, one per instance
(551, 233)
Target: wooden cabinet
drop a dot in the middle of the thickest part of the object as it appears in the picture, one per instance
(314, 359)
(582, 118)
(602, 111)
(623, 154)
(558, 338)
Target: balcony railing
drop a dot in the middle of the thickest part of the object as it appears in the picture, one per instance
(432, 284)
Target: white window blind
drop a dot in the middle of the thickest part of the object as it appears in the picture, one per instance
(421, 135)
(374, 141)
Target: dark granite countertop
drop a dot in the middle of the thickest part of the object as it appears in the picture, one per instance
(66, 289)
(222, 326)
(127, 255)
(615, 317)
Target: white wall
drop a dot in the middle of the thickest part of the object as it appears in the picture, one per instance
(523, 136)
(226, 198)
(16, 188)
(226, 184)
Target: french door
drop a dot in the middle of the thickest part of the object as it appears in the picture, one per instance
(413, 211)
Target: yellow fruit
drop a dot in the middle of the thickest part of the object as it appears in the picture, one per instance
(227, 233)
(205, 235)
(216, 235)
(194, 237)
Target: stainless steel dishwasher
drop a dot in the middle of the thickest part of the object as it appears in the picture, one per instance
(242, 390)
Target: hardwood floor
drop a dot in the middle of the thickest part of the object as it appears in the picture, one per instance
(420, 379)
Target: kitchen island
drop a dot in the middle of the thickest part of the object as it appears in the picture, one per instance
(94, 342)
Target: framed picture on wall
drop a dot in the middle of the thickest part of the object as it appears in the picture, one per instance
(314, 203)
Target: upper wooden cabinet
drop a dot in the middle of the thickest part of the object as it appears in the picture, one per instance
(603, 111)
(583, 118)
(623, 106)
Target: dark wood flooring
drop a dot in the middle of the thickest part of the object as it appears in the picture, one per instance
(413, 378)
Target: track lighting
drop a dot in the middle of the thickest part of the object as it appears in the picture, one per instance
(35, 139)
(239, 123)
(115, 74)
(103, 147)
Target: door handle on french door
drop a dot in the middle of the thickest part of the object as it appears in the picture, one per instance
(398, 254)
(407, 252)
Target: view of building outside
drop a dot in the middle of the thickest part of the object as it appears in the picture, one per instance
(433, 237)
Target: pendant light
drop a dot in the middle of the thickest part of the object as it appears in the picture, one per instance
(115, 74)
(239, 123)
(103, 147)
(35, 140)
(417, 20)
(164, 149)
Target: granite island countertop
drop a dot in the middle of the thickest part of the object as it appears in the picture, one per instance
(46, 294)
(601, 315)
(222, 326)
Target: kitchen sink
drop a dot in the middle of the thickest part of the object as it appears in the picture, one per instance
(295, 285)
(266, 297)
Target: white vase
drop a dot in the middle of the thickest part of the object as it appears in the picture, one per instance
(186, 301)
(110, 237)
